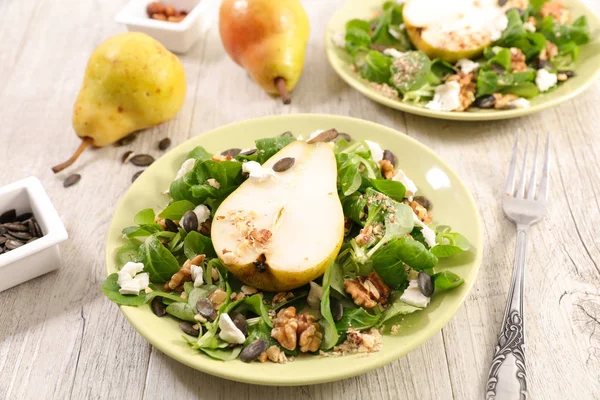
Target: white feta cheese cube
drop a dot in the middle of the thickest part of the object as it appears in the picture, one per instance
(186, 167)
(376, 150)
(197, 277)
(545, 80)
(229, 332)
(409, 185)
(467, 66)
(446, 97)
(413, 296)
(256, 172)
(428, 233)
(202, 213)
(131, 287)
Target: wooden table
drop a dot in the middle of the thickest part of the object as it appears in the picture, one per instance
(60, 338)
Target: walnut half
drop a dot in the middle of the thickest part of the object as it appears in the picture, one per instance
(290, 330)
(368, 291)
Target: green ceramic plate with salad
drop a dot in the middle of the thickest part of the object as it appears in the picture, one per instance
(465, 59)
(293, 250)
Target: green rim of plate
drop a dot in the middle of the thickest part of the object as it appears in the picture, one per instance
(587, 68)
(453, 204)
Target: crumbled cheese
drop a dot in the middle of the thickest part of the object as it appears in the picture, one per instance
(529, 26)
(186, 167)
(299, 137)
(129, 271)
(339, 39)
(498, 26)
(229, 332)
(545, 80)
(202, 213)
(409, 185)
(197, 278)
(519, 103)
(428, 233)
(413, 296)
(376, 150)
(446, 97)
(393, 52)
(129, 282)
(467, 66)
(314, 295)
(256, 171)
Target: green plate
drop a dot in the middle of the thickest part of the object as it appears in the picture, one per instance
(453, 205)
(587, 67)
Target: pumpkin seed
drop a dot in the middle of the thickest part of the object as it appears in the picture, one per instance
(541, 64)
(164, 144)
(424, 201)
(425, 283)
(189, 329)
(325, 136)
(231, 152)
(23, 217)
(248, 152)
(158, 308)
(206, 308)
(486, 101)
(126, 140)
(569, 74)
(253, 350)
(142, 160)
(284, 164)
(127, 156)
(391, 157)
(136, 175)
(189, 222)
(240, 322)
(15, 227)
(171, 226)
(71, 180)
(12, 244)
(337, 310)
(287, 134)
(342, 135)
(8, 216)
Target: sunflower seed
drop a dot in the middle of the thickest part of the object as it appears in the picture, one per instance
(164, 144)
(21, 235)
(3, 239)
(32, 239)
(8, 216)
(425, 283)
(189, 222)
(127, 156)
(231, 152)
(253, 350)
(158, 308)
(71, 180)
(248, 152)
(325, 136)
(286, 134)
(284, 164)
(391, 157)
(142, 160)
(37, 231)
(12, 244)
(15, 227)
(240, 322)
(136, 175)
(171, 226)
(337, 310)
(126, 140)
(23, 217)
(189, 329)
(206, 308)
(424, 201)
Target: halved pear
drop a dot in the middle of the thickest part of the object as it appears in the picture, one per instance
(281, 233)
(455, 29)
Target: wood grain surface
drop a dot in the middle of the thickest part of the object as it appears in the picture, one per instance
(61, 339)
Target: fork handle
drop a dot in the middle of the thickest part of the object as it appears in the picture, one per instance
(507, 376)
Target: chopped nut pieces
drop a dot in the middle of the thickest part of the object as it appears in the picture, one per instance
(282, 297)
(249, 290)
(218, 297)
(467, 89)
(290, 330)
(421, 211)
(517, 60)
(556, 9)
(368, 291)
(502, 100)
(387, 169)
(275, 354)
(385, 90)
(366, 236)
(213, 182)
(157, 10)
(184, 274)
(260, 236)
(549, 51)
(357, 342)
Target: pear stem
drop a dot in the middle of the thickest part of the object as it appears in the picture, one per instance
(84, 144)
(283, 92)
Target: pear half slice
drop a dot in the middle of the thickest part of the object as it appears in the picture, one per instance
(455, 29)
(281, 233)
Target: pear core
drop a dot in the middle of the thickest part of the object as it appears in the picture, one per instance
(282, 233)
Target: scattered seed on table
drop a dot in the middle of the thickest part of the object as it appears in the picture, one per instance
(391, 157)
(284, 164)
(253, 350)
(188, 328)
(126, 140)
(127, 156)
(425, 283)
(189, 221)
(171, 226)
(231, 152)
(15, 227)
(164, 144)
(8, 216)
(136, 175)
(12, 244)
(158, 308)
(71, 180)
(325, 136)
(142, 160)
(206, 308)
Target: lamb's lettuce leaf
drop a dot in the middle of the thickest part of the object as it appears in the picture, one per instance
(110, 288)
(158, 260)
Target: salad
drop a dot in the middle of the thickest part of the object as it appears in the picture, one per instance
(381, 267)
(465, 54)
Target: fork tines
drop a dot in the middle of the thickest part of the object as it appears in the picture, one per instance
(530, 194)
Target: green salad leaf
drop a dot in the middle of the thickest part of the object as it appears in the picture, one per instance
(158, 260)
(266, 148)
(387, 22)
(397, 224)
(410, 71)
(223, 354)
(126, 253)
(447, 280)
(199, 153)
(183, 311)
(110, 288)
(376, 67)
(330, 334)
(144, 217)
(196, 243)
(358, 36)
(397, 307)
(177, 209)
(357, 318)
(410, 252)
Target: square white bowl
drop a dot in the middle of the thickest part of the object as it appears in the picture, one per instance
(42, 255)
(175, 36)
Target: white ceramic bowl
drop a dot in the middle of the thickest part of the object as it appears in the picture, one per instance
(42, 255)
(175, 36)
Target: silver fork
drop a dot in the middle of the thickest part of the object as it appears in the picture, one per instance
(524, 205)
